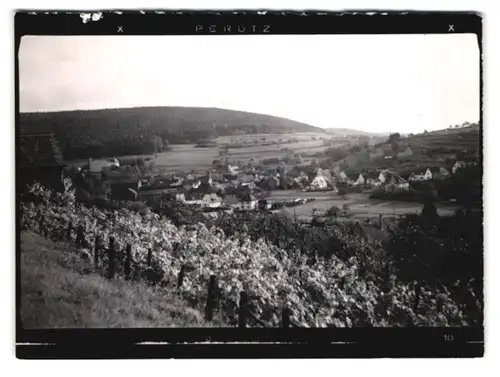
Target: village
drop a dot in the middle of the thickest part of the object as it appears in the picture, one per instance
(249, 188)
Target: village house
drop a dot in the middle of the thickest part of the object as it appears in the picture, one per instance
(40, 160)
(396, 182)
(458, 165)
(360, 181)
(318, 183)
(425, 176)
(248, 202)
(211, 201)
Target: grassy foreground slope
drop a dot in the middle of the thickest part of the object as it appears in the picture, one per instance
(60, 289)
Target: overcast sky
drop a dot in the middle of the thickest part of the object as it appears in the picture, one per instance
(378, 83)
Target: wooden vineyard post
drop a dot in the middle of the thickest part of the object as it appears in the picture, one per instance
(242, 312)
(70, 229)
(111, 256)
(181, 278)
(41, 229)
(211, 298)
(97, 246)
(128, 261)
(285, 318)
(80, 236)
(418, 288)
(150, 257)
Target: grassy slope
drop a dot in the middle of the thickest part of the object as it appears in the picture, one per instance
(440, 142)
(60, 290)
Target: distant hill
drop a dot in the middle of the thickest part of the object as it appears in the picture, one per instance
(419, 151)
(126, 131)
(352, 132)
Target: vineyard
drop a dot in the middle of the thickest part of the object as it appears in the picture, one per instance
(327, 292)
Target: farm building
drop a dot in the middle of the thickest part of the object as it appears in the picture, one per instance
(39, 159)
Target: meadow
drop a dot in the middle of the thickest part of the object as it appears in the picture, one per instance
(360, 205)
(186, 157)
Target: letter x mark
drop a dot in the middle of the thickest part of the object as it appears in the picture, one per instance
(451, 27)
(120, 29)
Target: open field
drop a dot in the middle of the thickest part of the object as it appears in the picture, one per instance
(187, 157)
(59, 289)
(361, 206)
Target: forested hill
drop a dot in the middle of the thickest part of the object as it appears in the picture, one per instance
(109, 132)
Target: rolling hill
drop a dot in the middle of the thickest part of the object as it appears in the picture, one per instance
(97, 133)
(353, 132)
(419, 151)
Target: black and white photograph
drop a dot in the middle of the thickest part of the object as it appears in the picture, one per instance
(249, 180)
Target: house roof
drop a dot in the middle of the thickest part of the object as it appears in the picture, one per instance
(204, 188)
(39, 150)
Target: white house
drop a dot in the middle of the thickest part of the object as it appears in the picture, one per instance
(360, 181)
(318, 183)
(421, 176)
(458, 165)
(248, 203)
(211, 201)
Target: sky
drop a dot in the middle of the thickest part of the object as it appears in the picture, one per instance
(377, 83)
